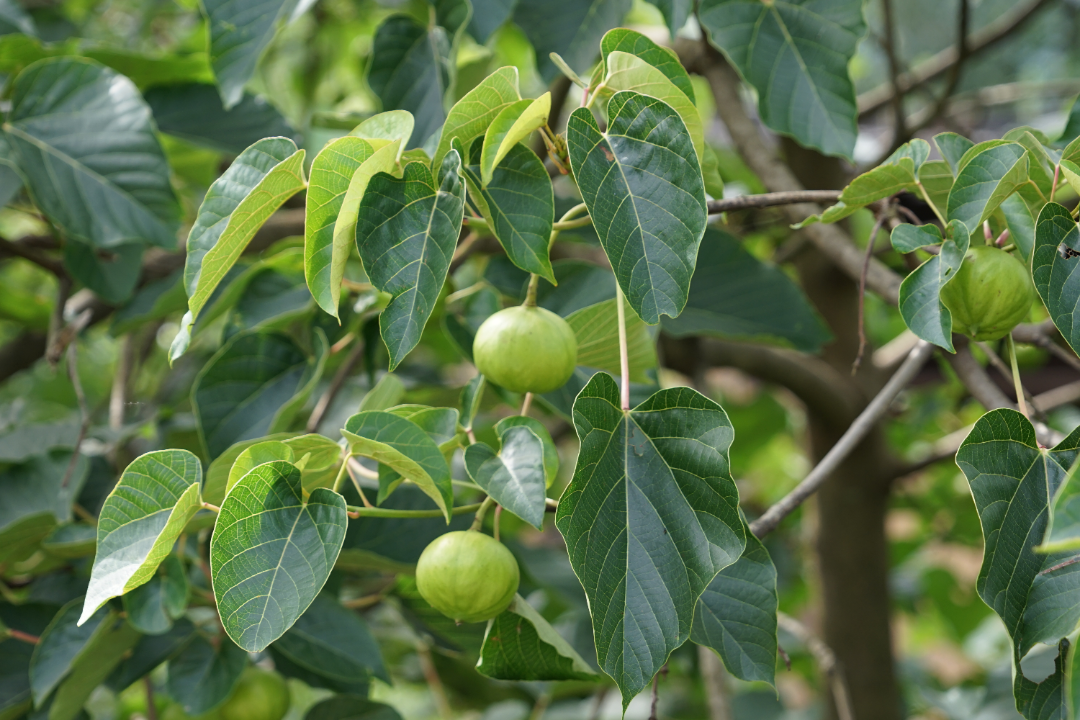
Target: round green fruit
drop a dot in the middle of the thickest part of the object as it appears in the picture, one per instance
(259, 695)
(467, 576)
(526, 349)
(990, 295)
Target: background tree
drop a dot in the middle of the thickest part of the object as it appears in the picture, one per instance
(245, 249)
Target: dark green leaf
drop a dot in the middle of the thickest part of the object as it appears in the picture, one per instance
(907, 238)
(488, 16)
(351, 707)
(84, 139)
(105, 650)
(1056, 277)
(203, 674)
(650, 517)
(1047, 699)
(551, 453)
(410, 70)
(406, 231)
(152, 607)
(194, 112)
(62, 643)
(984, 180)
(13, 19)
(675, 13)
(650, 215)
(571, 28)
(952, 147)
(514, 477)
(113, 278)
(73, 540)
(151, 651)
(796, 55)
(736, 615)
(26, 439)
(521, 645)
(1021, 225)
(34, 498)
(920, 304)
(252, 387)
(334, 643)
(735, 295)
(471, 396)
(473, 113)
(271, 552)
(581, 284)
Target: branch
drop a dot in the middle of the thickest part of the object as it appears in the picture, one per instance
(772, 199)
(826, 660)
(26, 252)
(941, 63)
(889, 43)
(963, 51)
(847, 442)
(336, 384)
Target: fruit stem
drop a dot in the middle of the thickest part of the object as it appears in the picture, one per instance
(624, 357)
(478, 521)
(530, 294)
(340, 479)
(926, 197)
(1020, 401)
(498, 514)
(1009, 248)
(377, 512)
(525, 404)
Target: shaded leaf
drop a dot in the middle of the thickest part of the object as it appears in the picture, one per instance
(475, 111)
(351, 707)
(272, 552)
(152, 607)
(386, 394)
(953, 147)
(675, 13)
(334, 643)
(114, 639)
(488, 16)
(1048, 698)
(985, 178)
(149, 652)
(521, 645)
(907, 238)
(650, 215)
(658, 477)
(550, 452)
(62, 643)
(114, 278)
(597, 331)
(571, 28)
(471, 397)
(920, 302)
(1056, 278)
(34, 498)
(140, 520)
(204, 674)
(1021, 225)
(514, 477)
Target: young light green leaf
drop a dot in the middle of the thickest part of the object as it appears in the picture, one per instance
(907, 238)
(390, 125)
(410, 70)
(920, 304)
(736, 615)
(796, 56)
(403, 446)
(152, 607)
(952, 148)
(406, 232)
(255, 455)
(570, 28)
(521, 645)
(217, 475)
(84, 139)
(630, 72)
(325, 249)
(551, 453)
(141, 518)
(272, 552)
(253, 386)
(518, 203)
(658, 477)
(650, 225)
(474, 112)
(597, 330)
(663, 59)
(332, 642)
(511, 126)
(386, 394)
(1056, 277)
(203, 675)
(514, 477)
(984, 180)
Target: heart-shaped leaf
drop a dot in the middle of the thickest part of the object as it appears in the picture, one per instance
(440, 424)
(1055, 270)
(920, 302)
(663, 59)
(650, 517)
(796, 56)
(907, 238)
(521, 645)
(650, 221)
(272, 552)
(512, 125)
(551, 453)
(514, 477)
(255, 455)
(203, 675)
(475, 111)
(85, 141)
(140, 520)
(406, 231)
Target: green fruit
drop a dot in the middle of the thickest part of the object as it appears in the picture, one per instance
(259, 695)
(467, 576)
(526, 349)
(990, 295)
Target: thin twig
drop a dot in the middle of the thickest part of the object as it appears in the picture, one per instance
(431, 675)
(151, 709)
(1007, 374)
(118, 396)
(862, 289)
(354, 468)
(826, 660)
(40, 259)
(847, 442)
(21, 636)
(656, 692)
(525, 404)
(541, 706)
(963, 52)
(84, 411)
(889, 43)
(772, 199)
(342, 374)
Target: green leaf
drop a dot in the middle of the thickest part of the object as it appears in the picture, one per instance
(256, 184)
(440, 424)
(150, 652)
(351, 707)
(140, 520)
(403, 446)
(521, 645)
(386, 394)
(239, 33)
(410, 70)
(152, 607)
(1056, 278)
(62, 643)
(952, 148)
(650, 517)
(334, 643)
(736, 615)
(550, 453)
(735, 295)
(26, 439)
(84, 138)
(33, 499)
(255, 455)
(920, 304)
(113, 279)
(272, 552)
(406, 232)
(518, 203)
(325, 249)
(795, 54)
(471, 397)
(571, 28)
(70, 541)
(217, 475)
(488, 16)
(937, 180)
(194, 112)
(597, 330)
(512, 125)
(1020, 223)
(514, 477)
(984, 180)
(663, 59)
(1047, 699)
(649, 224)
(318, 457)
(675, 13)
(390, 125)
(252, 387)
(475, 111)
(14, 19)
(203, 675)
(908, 238)
(630, 72)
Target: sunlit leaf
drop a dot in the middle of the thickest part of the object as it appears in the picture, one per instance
(473, 113)
(511, 126)
(984, 179)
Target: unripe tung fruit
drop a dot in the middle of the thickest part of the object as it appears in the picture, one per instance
(526, 349)
(259, 695)
(467, 576)
(990, 294)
